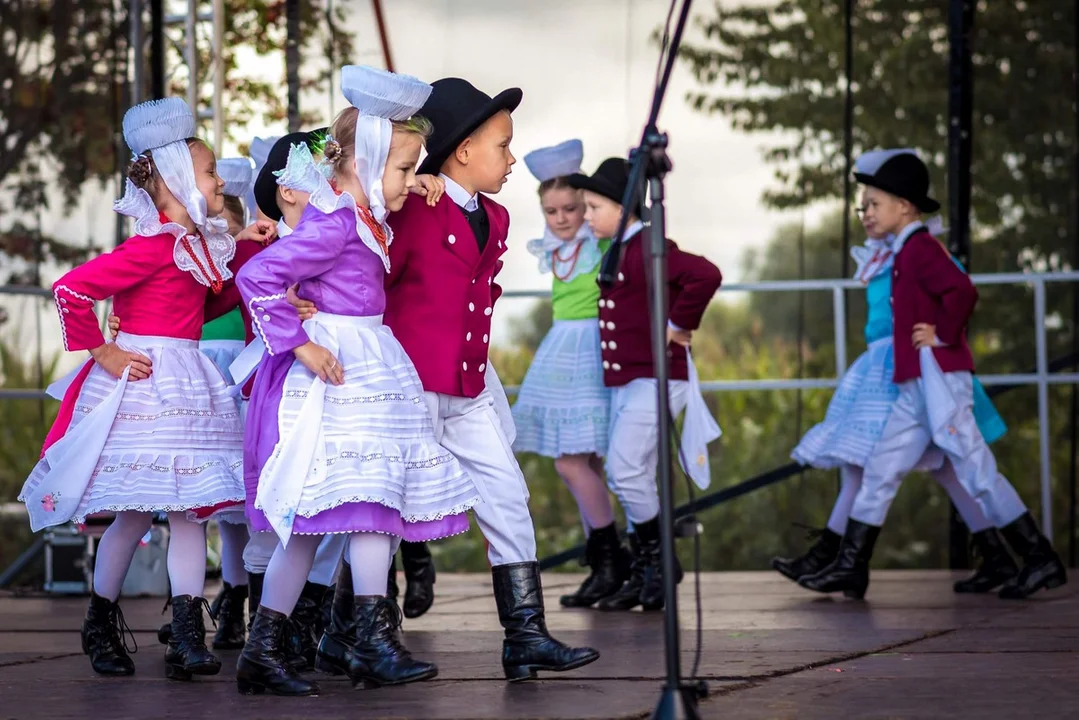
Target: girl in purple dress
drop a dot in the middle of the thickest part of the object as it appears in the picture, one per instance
(338, 438)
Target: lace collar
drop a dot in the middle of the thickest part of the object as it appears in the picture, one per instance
(205, 254)
(567, 259)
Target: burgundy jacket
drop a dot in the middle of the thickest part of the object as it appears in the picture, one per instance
(625, 335)
(440, 291)
(928, 287)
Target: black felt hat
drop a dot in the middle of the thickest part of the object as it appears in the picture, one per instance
(905, 176)
(266, 182)
(609, 180)
(456, 108)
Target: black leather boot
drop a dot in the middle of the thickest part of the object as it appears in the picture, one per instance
(392, 591)
(255, 582)
(419, 577)
(1041, 565)
(326, 609)
(528, 646)
(262, 665)
(849, 572)
(165, 631)
(186, 653)
(104, 640)
(307, 625)
(995, 565)
(378, 658)
(610, 565)
(651, 553)
(822, 552)
(228, 611)
(628, 596)
(335, 647)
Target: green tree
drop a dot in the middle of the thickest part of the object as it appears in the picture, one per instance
(63, 76)
(777, 68)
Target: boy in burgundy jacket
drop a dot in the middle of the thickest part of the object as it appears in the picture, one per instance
(932, 301)
(440, 296)
(626, 348)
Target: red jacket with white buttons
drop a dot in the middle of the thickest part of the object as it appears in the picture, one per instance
(440, 291)
(928, 287)
(625, 332)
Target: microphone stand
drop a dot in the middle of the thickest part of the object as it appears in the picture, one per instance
(650, 162)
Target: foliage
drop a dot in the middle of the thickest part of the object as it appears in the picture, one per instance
(776, 69)
(63, 80)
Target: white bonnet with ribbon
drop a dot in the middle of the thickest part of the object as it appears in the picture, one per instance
(381, 98)
(548, 163)
(161, 128)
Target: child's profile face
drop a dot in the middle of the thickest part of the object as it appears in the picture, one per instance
(563, 208)
(488, 153)
(884, 214)
(400, 172)
(209, 184)
(602, 214)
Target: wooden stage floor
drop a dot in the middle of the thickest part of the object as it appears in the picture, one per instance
(771, 650)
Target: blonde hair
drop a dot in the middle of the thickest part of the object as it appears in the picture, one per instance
(343, 131)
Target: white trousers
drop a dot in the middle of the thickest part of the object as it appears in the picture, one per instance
(906, 436)
(260, 548)
(633, 450)
(470, 429)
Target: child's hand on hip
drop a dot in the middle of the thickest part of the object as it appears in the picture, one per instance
(304, 308)
(679, 337)
(113, 359)
(925, 335)
(321, 362)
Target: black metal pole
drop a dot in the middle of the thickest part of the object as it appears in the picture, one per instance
(960, 121)
(1072, 459)
(157, 49)
(848, 134)
(658, 254)
(292, 62)
(848, 167)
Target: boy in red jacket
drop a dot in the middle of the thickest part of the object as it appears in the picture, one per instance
(440, 296)
(626, 348)
(932, 301)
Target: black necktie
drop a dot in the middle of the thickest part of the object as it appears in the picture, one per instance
(481, 228)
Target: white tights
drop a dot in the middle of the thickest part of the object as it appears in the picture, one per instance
(116, 549)
(370, 555)
(187, 555)
(234, 537)
(582, 475)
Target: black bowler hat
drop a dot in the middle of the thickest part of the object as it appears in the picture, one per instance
(609, 180)
(276, 159)
(456, 108)
(905, 176)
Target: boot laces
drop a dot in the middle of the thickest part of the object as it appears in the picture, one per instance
(392, 630)
(119, 632)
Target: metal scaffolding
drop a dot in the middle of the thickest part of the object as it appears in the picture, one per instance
(180, 23)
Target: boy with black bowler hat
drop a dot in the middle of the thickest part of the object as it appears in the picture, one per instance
(626, 349)
(932, 301)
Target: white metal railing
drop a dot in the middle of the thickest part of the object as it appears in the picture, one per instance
(1042, 378)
